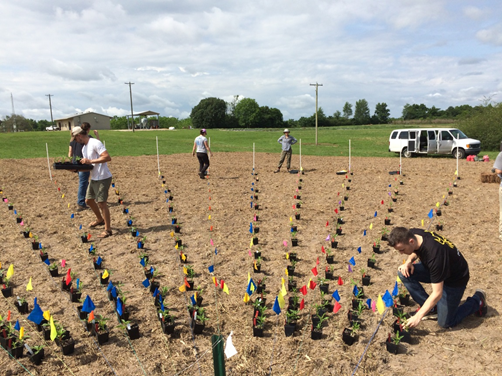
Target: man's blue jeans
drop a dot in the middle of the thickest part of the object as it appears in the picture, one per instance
(450, 313)
(83, 183)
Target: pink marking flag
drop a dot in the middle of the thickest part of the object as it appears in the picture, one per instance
(63, 263)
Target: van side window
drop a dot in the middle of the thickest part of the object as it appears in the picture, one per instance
(394, 135)
(413, 135)
(403, 135)
(432, 135)
(446, 136)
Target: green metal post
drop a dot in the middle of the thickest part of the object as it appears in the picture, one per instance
(218, 355)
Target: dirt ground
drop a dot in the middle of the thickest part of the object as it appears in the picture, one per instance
(470, 221)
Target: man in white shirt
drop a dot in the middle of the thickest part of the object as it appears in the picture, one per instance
(497, 168)
(94, 152)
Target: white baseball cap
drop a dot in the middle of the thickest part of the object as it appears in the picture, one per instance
(286, 130)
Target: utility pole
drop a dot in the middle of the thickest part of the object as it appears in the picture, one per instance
(316, 96)
(50, 106)
(130, 95)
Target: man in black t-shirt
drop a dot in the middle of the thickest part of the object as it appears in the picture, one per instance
(441, 265)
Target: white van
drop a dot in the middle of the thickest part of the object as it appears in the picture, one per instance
(433, 141)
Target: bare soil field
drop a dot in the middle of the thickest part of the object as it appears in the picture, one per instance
(470, 222)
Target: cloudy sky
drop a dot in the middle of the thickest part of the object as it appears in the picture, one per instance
(177, 52)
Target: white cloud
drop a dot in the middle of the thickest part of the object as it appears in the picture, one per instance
(491, 35)
(177, 53)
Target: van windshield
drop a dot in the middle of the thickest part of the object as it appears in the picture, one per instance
(458, 134)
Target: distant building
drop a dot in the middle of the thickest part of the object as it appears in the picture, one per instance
(97, 121)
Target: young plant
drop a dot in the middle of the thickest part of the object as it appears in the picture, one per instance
(322, 280)
(396, 338)
(37, 349)
(190, 272)
(201, 315)
(101, 324)
(292, 316)
(355, 328)
(377, 242)
(53, 266)
(372, 258)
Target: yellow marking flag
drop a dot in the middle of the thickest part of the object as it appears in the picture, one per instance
(29, 287)
(380, 304)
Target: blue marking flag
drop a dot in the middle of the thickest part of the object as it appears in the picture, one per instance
(364, 233)
(120, 310)
(395, 292)
(216, 251)
(114, 291)
(355, 291)
(91, 248)
(375, 214)
(387, 299)
(251, 203)
(88, 305)
(47, 261)
(126, 211)
(40, 245)
(252, 183)
(276, 307)
(336, 296)
(78, 282)
(72, 216)
(113, 185)
(151, 269)
(368, 303)
(251, 197)
(15, 212)
(36, 314)
(110, 286)
(251, 287)
(251, 227)
(252, 189)
(192, 298)
(359, 249)
(17, 326)
(80, 228)
(142, 262)
(352, 261)
(137, 233)
(390, 185)
(211, 269)
(146, 283)
(162, 306)
(431, 214)
(167, 200)
(99, 261)
(156, 292)
(165, 191)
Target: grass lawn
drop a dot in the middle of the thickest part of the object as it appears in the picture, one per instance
(366, 141)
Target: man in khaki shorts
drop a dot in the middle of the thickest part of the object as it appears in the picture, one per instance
(94, 152)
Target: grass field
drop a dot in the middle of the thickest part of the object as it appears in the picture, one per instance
(366, 141)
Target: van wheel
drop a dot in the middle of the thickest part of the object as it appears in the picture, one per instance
(406, 153)
(460, 152)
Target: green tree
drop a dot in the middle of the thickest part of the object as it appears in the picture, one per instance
(247, 113)
(21, 124)
(414, 111)
(484, 124)
(347, 110)
(382, 113)
(270, 118)
(118, 122)
(209, 113)
(362, 112)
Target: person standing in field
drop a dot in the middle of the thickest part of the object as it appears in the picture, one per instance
(75, 151)
(445, 268)
(95, 153)
(286, 141)
(202, 149)
(497, 168)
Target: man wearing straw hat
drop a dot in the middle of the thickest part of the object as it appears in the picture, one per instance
(286, 141)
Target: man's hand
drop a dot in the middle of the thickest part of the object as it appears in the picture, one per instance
(406, 269)
(413, 321)
(85, 161)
